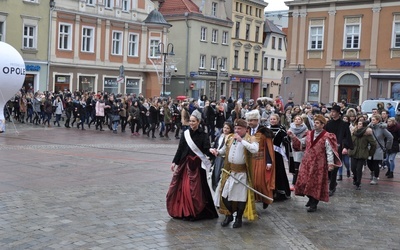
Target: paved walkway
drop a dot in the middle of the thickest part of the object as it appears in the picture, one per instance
(72, 189)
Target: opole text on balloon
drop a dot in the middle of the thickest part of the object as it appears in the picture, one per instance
(14, 70)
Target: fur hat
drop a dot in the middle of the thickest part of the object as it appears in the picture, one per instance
(240, 123)
(320, 118)
(253, 115)
(336, 108)
(197, 114)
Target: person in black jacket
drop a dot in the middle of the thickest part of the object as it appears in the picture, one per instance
(153, 118)
(69, 108)
(209, 113)
(343, 136)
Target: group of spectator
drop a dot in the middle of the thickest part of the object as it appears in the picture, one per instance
(144, 115)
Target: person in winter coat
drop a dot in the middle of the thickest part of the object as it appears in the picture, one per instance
(394, 129)
(48, 110)
(384, 140)
(36, 108)
(59, 107)
(209, 113)
(100, 106)
(134, 113)
(364, 147)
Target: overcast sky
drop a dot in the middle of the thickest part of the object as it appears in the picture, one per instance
(276, 5)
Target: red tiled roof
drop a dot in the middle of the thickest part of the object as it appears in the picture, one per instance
(170, 7)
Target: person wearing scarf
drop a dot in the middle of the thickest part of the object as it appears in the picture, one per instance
(394, 129)
(364, 147)
(299, 129)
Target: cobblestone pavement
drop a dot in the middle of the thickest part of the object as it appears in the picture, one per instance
(72, 189)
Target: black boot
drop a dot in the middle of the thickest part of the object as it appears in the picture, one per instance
(240, 210)
(388, 172)
(228, 219)
(313, 204)
(390, 176)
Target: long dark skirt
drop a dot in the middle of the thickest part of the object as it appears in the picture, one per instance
(189, 196)
(282, 188)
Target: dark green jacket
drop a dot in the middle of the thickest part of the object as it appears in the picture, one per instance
(364, 144)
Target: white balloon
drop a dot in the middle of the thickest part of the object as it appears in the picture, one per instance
(12, 76)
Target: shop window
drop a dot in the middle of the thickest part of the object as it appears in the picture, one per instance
(132, 86)
(111, 85)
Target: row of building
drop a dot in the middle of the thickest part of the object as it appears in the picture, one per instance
(334, 50)
(172, 47)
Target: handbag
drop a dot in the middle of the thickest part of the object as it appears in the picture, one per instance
(380, 145)
(114, 118)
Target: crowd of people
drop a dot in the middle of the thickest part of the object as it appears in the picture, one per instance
(249, 142)
(319, 145)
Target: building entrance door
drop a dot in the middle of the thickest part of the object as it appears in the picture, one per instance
(351, 94)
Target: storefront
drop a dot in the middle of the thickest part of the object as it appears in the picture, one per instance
(94, 80)
(35, 77)
(245, 88)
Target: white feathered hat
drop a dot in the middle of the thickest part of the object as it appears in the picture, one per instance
(253, 115)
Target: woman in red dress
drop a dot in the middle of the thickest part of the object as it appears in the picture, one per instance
(189, 195)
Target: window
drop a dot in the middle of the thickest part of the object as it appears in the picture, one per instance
(236, 60)
(1, 31)
(265, 63)
(203, 35)
(352, 36)
(278, 66)
(90, 2)
(272, 63)
(280, 41)
(108, 4)
(29, 37)
(257, 34)
(126, 5)
(87, 39)
(256, 62)
(247, 9)
(237, 29)
(65, 37)
(214, 37)
(153, 48)
(132, 86)
(202, 62)
(273, 42)
(246, 60)
(313, 91)
(250, 10)
(396, 35)
(240, 7)
(214, 9)
(223, 63)
(316, 37)
(237, 7)
(225, 37)
(247, 31)
(133, 45)
(111, 85)
(116, 43)
(213, 62)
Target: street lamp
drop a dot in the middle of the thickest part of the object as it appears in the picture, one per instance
(218, 65)
(165, 52)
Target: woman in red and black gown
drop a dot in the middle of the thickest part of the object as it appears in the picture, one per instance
(189, 195)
